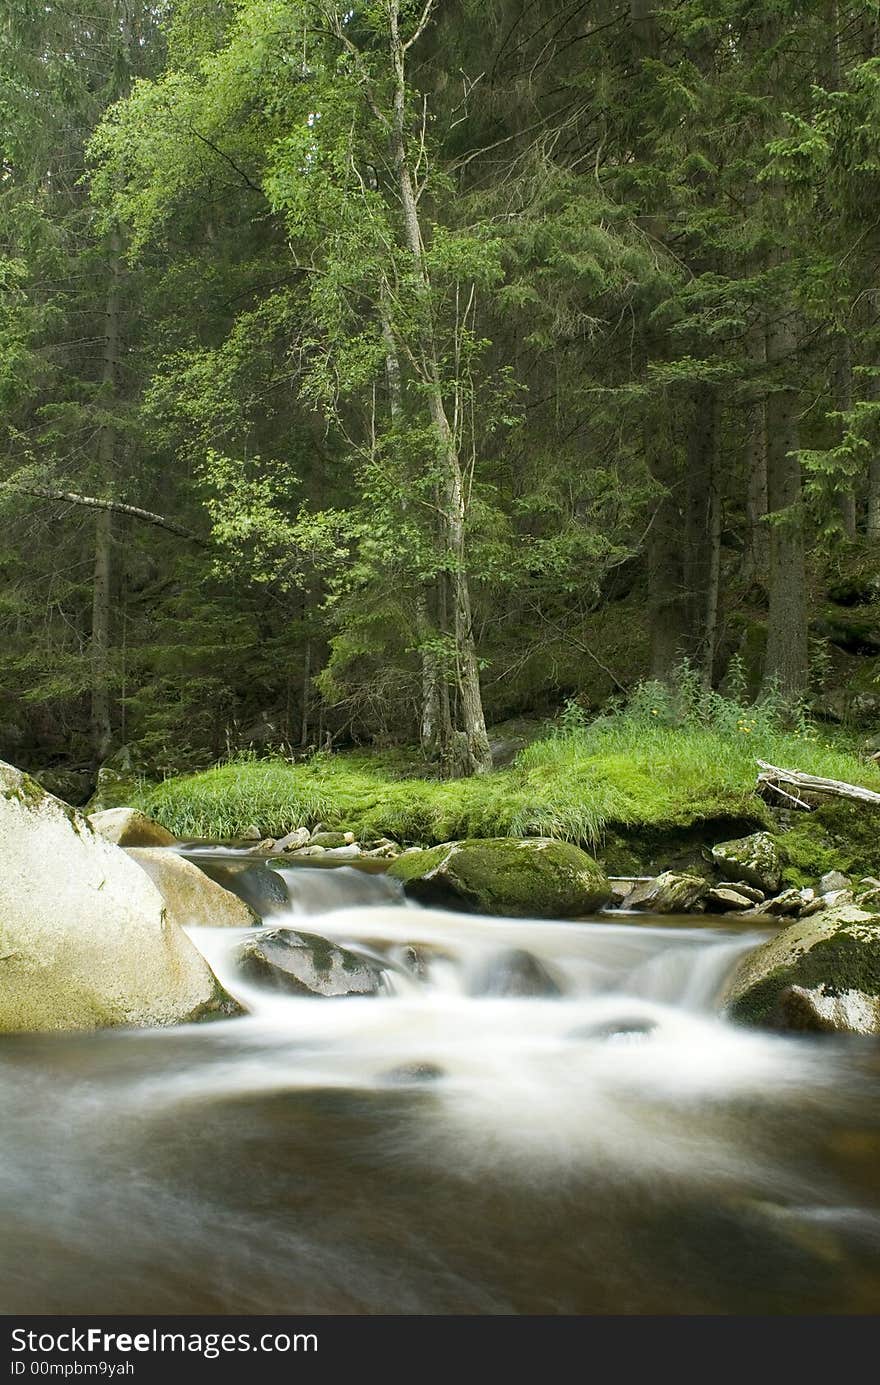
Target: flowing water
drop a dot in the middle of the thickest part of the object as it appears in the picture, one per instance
(611, 1145)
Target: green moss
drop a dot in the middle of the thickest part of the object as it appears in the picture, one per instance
(838, 836)
(519, 878)
(846, 961)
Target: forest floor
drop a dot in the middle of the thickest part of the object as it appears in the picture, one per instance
(644, 771)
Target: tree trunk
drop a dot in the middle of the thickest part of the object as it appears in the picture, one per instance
(757, 557)
(843, 398)
(477, 757)
(102, 591)
(872, 394)
(787, 663)
(702, 548)
(430, 719)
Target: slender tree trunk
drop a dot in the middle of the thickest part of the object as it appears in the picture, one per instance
(102, 590)
(843, 398)
(872, 394)
(306, 686)
(432, 730)
(787, 662)
(475, 753)
(757, 557)
(702, 547)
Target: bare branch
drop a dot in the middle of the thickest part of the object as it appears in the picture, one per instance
(93, 502)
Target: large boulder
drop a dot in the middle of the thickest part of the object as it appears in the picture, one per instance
(191, 897)
(529, 877)
(128, 827)
(85, 940)
(790, 981)
(668, 893)
(306, 964)
(754, 859)
(71, 785)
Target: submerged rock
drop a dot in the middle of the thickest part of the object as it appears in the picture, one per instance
(191, 897)
(258, 885)
(529, 877)
(834, 953)
(668, 893)
(306, 964)
(128, 827)
(415, 1072)
(755, 858)
(515, 973)
(85, 939)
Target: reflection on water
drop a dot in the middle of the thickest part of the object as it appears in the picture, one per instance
(610, 1145)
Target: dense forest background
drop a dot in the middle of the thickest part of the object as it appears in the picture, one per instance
(374, 373)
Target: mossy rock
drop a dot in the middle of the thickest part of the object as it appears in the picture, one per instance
(838, 836)
(835, 953)
(308, 965)
(756, 859)
(529, 877)
(673, 846)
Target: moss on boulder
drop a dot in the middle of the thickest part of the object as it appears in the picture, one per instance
(835, 953)
(528, 877)
(754, 859)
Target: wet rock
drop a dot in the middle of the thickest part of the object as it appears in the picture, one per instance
(819, 1011)
(625, 1026)
(328, 839)
(415, 1072)
(266, 847)
(259, 886)
(313, 850)
(834, 880)
(620, 888)
(300, 836)
(755, 858)
(835, 951)
(85, 940)
(668, 893)
(191, 898)
(531, 877)
(348, 852)
(515, 973)
(789, 904)
(308, 965)
(252, 834)
(724, 899)
(128, 827)
(741, 887)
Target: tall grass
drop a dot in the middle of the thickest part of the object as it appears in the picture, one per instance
(670, 757)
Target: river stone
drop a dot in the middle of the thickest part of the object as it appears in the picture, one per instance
(755, 858)
(742, 887)
(348, 852)
(834, 880)
(515, 973)
(529, 877)
(298, 837)
(724, 899)
(85, 940)
(191, 897)
(306, 964)
(128, 827)
(329, 839)
(260, 886)
(815, 1011)
(669, 893)
(835, 951)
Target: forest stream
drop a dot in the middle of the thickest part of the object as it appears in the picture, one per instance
(446, 1147)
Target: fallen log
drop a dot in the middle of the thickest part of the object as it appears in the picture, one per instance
(796, 783)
